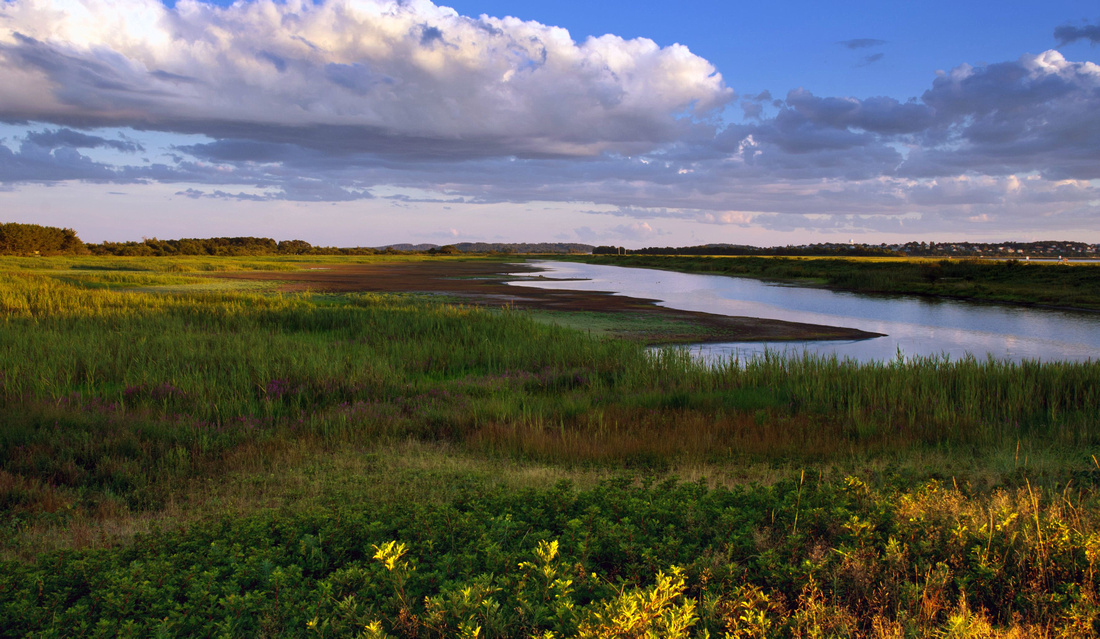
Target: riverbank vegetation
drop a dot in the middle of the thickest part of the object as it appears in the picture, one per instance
(179, 459)
(1010, 281)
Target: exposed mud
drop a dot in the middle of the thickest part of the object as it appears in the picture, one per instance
(482, 283)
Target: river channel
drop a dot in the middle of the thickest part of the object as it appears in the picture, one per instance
(913, 326)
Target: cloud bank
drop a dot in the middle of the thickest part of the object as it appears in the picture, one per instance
(348, 76)
(329, 102)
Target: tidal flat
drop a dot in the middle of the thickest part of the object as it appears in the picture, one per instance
(484, 283)
(336, 451)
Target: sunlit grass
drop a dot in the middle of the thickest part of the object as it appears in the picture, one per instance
(204, 264)
(160, 423)
(623, 325)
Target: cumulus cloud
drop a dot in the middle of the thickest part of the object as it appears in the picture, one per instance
(753, 105)
(348, 75)
(330, 102)
(636, 231)
(737, 218)
(873, 115)
(1039, 113)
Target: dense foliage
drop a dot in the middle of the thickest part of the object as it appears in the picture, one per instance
(809, 558)
(220, 246)
(35, 239)
(252, 246)
(130, 389)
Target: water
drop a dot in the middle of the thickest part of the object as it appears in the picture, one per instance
(914, 326)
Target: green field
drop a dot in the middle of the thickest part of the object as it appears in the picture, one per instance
(179, 458)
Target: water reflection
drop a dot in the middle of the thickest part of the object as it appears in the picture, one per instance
(913, 326)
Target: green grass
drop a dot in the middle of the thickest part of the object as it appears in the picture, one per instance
(111, 266)
(633, 326)
(199, 461)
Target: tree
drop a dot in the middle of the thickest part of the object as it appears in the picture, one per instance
(35, 239)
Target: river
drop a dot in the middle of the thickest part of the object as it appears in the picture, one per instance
(913, 326)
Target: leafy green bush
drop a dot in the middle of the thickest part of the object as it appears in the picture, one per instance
(671, 559)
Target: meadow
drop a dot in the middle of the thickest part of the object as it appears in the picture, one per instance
(186, 456)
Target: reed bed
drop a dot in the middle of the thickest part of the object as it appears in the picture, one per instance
(118, 404)
(360, 367)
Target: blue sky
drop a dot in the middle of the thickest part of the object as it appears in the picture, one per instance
(367, 122)
(783, 45)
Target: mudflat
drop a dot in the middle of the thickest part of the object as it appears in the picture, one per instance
(483, 283)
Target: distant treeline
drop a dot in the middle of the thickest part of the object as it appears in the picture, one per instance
(498, 247)
(34, 239)
(267, 246)
(1041, 249)
(814, 250)
(228, 246)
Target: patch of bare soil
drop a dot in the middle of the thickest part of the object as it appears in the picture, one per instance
(483, 283)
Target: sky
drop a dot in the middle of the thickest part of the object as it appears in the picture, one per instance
(371, 122)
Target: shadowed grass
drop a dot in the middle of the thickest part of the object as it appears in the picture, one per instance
(227, 429)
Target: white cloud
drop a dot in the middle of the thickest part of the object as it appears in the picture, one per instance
(634, 232)
(409, 102)
(377, 72)
(738, 218)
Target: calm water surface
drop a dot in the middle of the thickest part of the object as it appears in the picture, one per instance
(914, 326)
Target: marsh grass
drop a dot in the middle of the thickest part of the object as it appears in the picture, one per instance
(622, 325)
(913, 496)
(108, 389)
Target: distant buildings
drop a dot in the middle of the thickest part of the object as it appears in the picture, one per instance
(1048, 249)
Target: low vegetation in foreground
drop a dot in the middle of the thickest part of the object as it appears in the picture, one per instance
(179, 459)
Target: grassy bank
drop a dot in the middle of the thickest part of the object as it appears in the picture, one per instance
(1062, 285)
(195, 461)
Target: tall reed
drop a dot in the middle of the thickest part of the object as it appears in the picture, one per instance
(89, 374)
